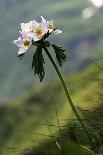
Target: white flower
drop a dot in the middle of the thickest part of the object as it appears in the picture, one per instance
(50, 25)
(34, 31)
(26, 27)
(23, 43)
(38, 30)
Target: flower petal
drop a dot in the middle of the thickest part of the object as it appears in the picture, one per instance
(36, 38)
(21, 51)
(44, 27)
(57, 31)
(18, 42)
(26, 27)
(23, 25)
(50, 25)
(34, 24)
(50, 22)
(43, 19)
(30, 34)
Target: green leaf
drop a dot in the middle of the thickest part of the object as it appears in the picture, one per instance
(60, 55)
(38, 62)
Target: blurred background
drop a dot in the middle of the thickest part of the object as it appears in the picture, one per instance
(82, 26)
(23, 99)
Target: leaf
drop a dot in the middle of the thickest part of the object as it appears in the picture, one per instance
(37, 63)
(60, 55)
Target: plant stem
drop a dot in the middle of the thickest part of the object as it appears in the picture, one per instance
(69, 97)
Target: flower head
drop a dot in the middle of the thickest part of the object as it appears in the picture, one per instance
(23, 43)
(50, 26)
(34, 33)
(38, 30)
(26, 27)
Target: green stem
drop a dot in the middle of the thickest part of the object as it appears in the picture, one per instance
(68, 97)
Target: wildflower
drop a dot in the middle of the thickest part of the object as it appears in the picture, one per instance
(38, 30)
(26, 27)
(50, 26)
(34, 33)
(23, 43)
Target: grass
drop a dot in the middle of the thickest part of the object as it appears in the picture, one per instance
(32, 120)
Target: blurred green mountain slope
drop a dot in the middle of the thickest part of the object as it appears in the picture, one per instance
(24, 123)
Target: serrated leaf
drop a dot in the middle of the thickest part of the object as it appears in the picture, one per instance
(38, 62)
(60, 55)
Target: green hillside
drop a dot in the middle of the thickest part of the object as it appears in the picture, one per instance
(67, 16)
(32, 120)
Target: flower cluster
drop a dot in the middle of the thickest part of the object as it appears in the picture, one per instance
(33, 32)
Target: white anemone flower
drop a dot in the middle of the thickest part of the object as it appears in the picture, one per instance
(50, 25)
(38, 30)
(23, 43)
(26, 27)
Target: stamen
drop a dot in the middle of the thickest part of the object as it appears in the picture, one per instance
(38, 31)
(26, 43)
(50, 26)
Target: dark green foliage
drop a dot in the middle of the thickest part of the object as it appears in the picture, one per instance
(60, 55)
(37, 63)
(74, 149)
(46, 35)
(38, 60)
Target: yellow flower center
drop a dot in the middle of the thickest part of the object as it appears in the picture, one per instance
(38, 31)
(50, 26)
(26, 43)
